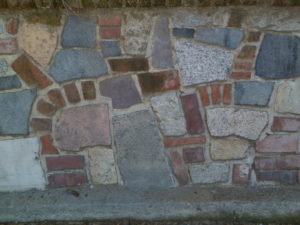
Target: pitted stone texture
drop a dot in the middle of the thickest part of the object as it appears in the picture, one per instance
(83, 126)
(209, 173)
(233, 121)
(110, 48)
(79, 32)
(9, 82)
(71, 64)
(140, 151)
(102, 166)
(170, 116)
(15, 110)
(3, 67)
(38, 41)
(226, 149)
(278, 57)
(200, 63)
(19, 168)
(228, 37)
(253, 93)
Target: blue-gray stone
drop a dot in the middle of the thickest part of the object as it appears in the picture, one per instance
(9, 82)
(110, 48)
(253, 93)
(278, 57)
(183, 32)
(71, 64)
(228, 37)
(15, 111)
(79, 32)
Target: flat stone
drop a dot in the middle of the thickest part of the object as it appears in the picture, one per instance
(3, 67)
(183, 32)
(278, 57)
(15, 111)
(170, 116)
(102, 166)
(9, 82)
(141, 160)
(233, 121)
(227, 37)
(38, 41)
(278, 143)
(200, 63)
(110, 48)
(209, 173)
(28, 173)
(83, 126)
(253, 93)
(69, 64)
(79, 32)
(227, 149)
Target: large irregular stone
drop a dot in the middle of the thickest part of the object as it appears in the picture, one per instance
(71, 64)
(170, 116)
(79, 32)
(83, 126)
(200, 63)
(140, 154)
(9, 82)
(19, 168)
(278, 57)
(38, 41)
(253, 93)
(228, 37)
(15, 110)
(232, 121)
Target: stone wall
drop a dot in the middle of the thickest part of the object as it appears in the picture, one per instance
(149, 98)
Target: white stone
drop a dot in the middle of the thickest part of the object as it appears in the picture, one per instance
(169, 113)
(20, 166)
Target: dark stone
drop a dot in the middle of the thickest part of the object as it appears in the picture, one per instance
(9, 82)
(110, 48)
(183, 32)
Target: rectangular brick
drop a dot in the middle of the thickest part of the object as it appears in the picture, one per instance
(286, 124)
(65, 162)
(227, 94)
(114, 19)
(288, 162)
(241, 173)
(287, 177)
(179, 169)
(12, 26)
(67, 179)
(278, 143)
(243, 65)
(41, 124)
(88, 90)
(47, 146)
(254, 36)
(72, 93)
(184, 141)
(45, 108)
(8, 46)
(129, 65)
(110, 32)
(204, 95)
(56, 98)
(193, 155)
(240, 75)
(247, 52)
(216, 93)
(264, 163)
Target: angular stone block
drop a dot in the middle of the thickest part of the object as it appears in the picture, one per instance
(9, 82)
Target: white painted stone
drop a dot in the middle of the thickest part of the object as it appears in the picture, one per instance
(169, 113)
(20, 167)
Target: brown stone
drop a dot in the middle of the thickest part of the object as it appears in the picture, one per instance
(227, 94)
(12, 26)
(45, 108)
(278, 143)
(114, 19)
(56, 98)
(247, 52)
(47, 146)
(65, 162)
(184, 141)
(130, 64)
(254, 36)
(193, 155)
(41, 124)
(72, 93)
(241, 75)
(216, 93)
(204, 95)
(88, 90)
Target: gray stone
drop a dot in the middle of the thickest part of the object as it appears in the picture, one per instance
(209, 173)
(79, 32)
(183, 32)
(161, 48)
(140, 148)
(71, 64)
(245, 123)
(169, 113)
(9, 82)
(110, 48)
(253, 93)
(3, 67)
(228, 37)
(200, 63)
(2, 26)
(15, 110)
(278, 57)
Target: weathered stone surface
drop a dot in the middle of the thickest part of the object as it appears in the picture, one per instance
(253, 93)
(79, 32)
(102, 166)
(209, 173)
(232, 121)
(183, 32)
(38, 41)
(225, 149)
(170, 116)
(110, 48)
(140, 151)
(15, 110)
(71, 64)
(278, 143)
(9, 82)
(285, 124)
(200, 63)
(278, 57)
(3, 67)
(26, 174)
(129, 64)
(228, 37)
(83, 126)
(122, 91)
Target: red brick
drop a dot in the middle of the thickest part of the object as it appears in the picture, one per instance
(247, 52)
(127, 65)
(46, 108)
(192, 114)
(264, 163)
(184, 141)
(241, 173)
(88, 90)
(216, 93)
(179, 169)
(286, 124)
(8, 46)
(264, 175)
(56, 98)
(72, 93)
(41, 124)
(159, 81)
(30, 73)
(193, 155)
(12, 26)
(278, 143)
(110, 32)
(288, 177)
(65, 162)
(67, 179)
(242, 65)
(204, 95)
(47, 146)
(288, 162)
(114, 19)
(254, 36)
(227, 92)
(240, 75)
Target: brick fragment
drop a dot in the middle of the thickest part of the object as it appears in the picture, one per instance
(193, 155)
(45, 108)
(179, 169)
(227, 93)
(286, 124)
(110, 32)
(88, 90)
(240, 75)
(56, 98)
(12, 26)
(247, 52)
(184, 141)
(216, 93)
(65, 162)
(67, 179)
(72, 93)
(41, 124)
(127, 65)
(47, 146)
(241, 173)
(278, 143)
(8, 46)
(114, 19)
(204, 95)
